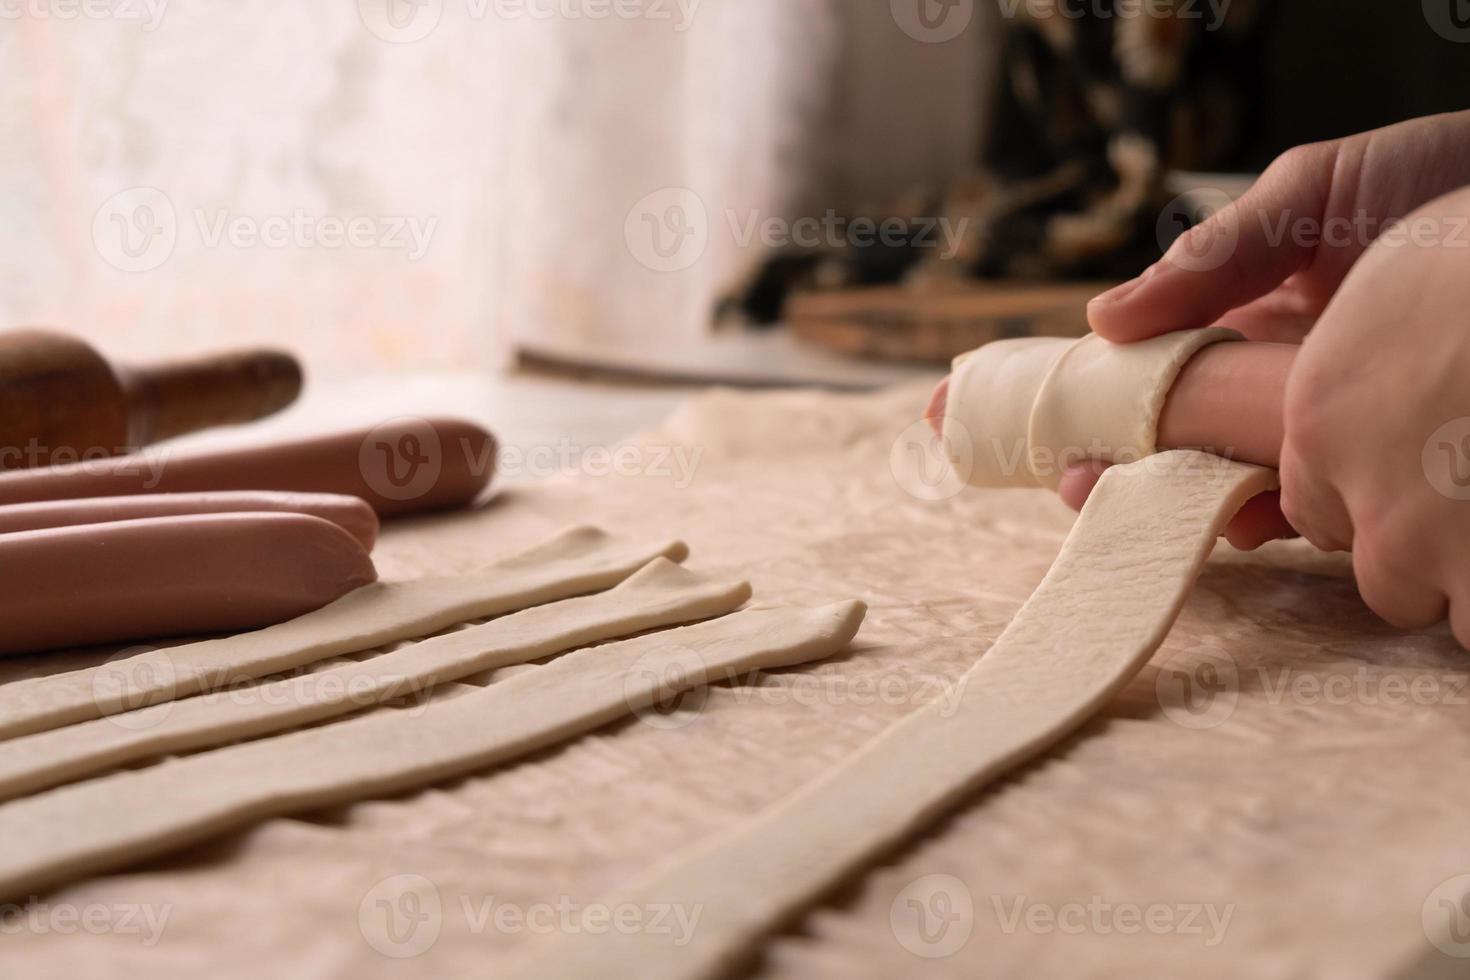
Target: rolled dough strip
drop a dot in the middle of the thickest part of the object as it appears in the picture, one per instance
(662, 594)
(114, 822)
(1098, 616)
(1019, 412)
(405, 466)
(170, 576)
(575, 562)
(1227, 400)
(351, 514)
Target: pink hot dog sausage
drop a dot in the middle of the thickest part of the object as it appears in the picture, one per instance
(406, 466)
(170, 576)
(351, 514)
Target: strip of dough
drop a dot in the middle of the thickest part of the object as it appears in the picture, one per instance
(109, 823)
(1100, 613)
(662, 594)
(1018, 412)
(575, 562)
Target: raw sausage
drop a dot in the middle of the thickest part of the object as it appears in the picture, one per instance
(170, 576)
(351, 514)
(405, 466)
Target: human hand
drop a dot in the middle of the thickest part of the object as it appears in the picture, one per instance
(1268, 264)
(1376, 456)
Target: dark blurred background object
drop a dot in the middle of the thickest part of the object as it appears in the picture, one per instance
(1103, 128)
(1332, 69)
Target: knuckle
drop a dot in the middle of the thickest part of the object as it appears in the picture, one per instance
(1309, 426)
(1460, 622)
(1295, 513)
(1241, 264)
(1298, 505)
(1384, 567)
(1383, 603)
(1298, 160)
(1381, 556)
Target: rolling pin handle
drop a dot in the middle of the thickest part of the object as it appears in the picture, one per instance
(227, 389)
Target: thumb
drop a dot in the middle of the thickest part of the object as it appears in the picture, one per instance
(1237, 255)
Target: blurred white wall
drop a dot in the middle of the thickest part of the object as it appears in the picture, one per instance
(419, 182)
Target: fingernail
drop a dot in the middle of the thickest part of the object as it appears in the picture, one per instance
(1117, 293)
(937, 405)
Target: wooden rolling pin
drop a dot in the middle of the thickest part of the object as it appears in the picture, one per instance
(61, 401)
